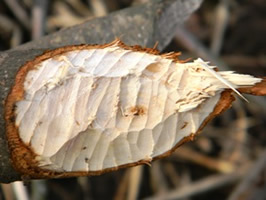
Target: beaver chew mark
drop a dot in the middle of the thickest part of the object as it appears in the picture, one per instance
(86, 110)
(138, 110)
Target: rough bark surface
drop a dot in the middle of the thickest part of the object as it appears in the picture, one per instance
(143, 25)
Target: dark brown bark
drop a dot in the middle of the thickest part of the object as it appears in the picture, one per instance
(143, 25)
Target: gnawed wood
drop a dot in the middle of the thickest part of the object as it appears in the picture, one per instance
(89, 109)
(144, 25)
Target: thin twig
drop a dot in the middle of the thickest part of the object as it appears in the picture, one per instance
(20, 190)
(13, 29)
(246, 61)
(38, 189)
(19, 12)
(85, 186)
(220, 24)
(158, 181)
(172, 174)
(122, 187)
(211, 163)
(64, 17)
(7, 192)
(189, 41)
(250, 178)
(80, 7)
(98, 7)
(135, 177)
(197, 187)
(6, 24)
(239, 134)
(39, 12)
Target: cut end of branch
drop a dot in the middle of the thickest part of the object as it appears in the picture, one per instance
(90, 109)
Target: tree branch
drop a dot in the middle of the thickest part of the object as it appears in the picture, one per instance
(143, 25)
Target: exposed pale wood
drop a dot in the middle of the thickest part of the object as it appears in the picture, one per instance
(94, 108)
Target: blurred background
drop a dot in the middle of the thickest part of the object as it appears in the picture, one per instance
(226, 161)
